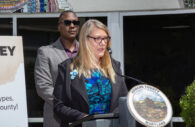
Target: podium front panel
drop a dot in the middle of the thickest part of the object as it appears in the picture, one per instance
(101, 123)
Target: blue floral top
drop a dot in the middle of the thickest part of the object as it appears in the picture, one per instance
(99, 92)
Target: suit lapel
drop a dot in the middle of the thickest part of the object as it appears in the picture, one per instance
(79, 85)
(60, 50)
(115, 92)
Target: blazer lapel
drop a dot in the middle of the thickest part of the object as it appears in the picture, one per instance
(79, 85)
(115, 92)
(60, 50)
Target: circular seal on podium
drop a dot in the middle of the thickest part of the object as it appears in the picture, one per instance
(149, 106)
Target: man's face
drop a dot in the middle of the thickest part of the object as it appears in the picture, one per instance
(68, 30)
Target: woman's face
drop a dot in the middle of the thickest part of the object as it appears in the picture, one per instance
(98, 39)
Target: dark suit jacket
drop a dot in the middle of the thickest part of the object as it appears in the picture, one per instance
(70, 95)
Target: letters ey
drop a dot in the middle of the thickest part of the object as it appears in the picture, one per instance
(7, 50)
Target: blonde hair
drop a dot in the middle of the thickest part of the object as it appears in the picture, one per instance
(85, 58)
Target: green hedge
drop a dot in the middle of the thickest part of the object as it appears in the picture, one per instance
(187, 104)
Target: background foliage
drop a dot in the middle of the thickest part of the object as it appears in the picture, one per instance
(187, 104)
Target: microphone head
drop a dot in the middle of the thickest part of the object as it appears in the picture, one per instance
(109, 50)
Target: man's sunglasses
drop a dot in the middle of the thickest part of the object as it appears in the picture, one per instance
(68, 22)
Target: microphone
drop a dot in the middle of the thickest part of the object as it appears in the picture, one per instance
(109, 51)
(125, 76)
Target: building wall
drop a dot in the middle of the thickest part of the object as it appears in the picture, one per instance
(124, 5)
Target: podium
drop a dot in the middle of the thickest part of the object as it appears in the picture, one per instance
(121, 119)
(144, 103)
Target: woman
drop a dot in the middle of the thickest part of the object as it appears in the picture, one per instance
(87, 84)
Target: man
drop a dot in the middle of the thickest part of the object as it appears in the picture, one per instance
(48, 58)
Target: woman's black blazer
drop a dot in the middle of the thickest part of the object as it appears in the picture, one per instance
(70, 95)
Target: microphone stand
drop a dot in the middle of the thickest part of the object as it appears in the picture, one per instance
(125, 76)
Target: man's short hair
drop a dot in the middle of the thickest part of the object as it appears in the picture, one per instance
(67, 11)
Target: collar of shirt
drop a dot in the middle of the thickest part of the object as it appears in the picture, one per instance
(70, 53)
